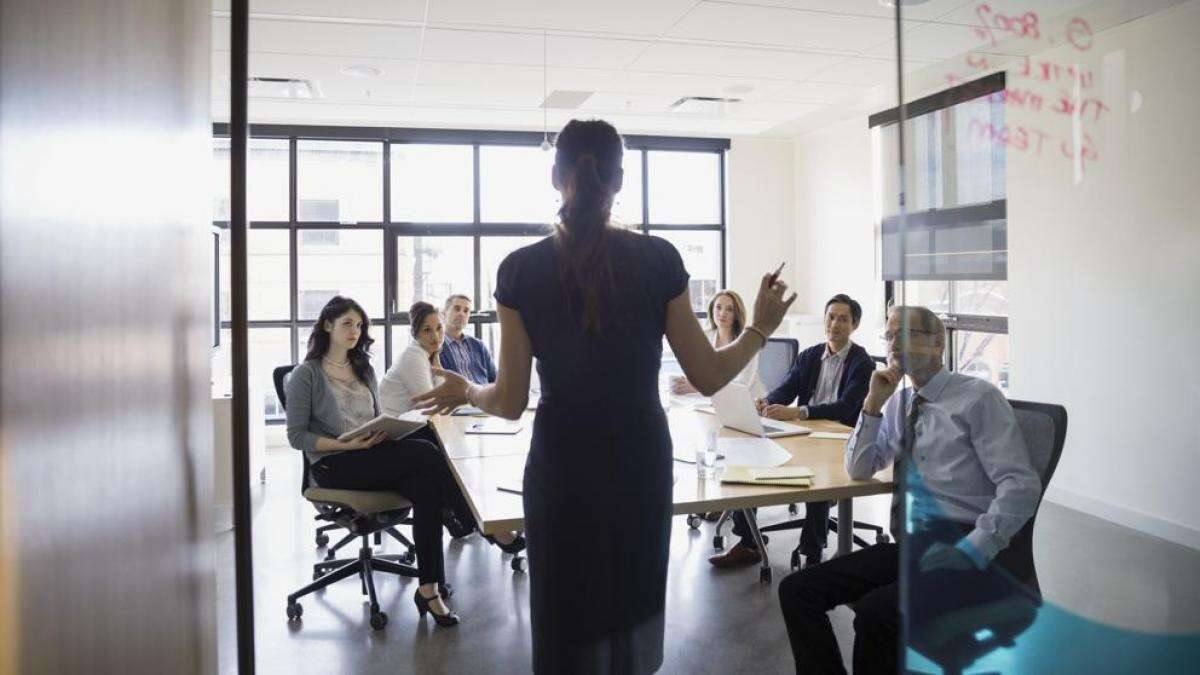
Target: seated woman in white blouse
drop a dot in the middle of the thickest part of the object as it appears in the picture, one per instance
(726, 319)
(412, 373)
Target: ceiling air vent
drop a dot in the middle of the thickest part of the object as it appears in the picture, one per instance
(283, 87)
(566, 100)
(704, 105)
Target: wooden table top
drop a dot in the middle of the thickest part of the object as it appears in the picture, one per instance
(481, 463)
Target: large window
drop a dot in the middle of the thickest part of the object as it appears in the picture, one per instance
(950, 251)
(392, 216)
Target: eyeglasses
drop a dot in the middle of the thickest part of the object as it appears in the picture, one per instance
(891, 336)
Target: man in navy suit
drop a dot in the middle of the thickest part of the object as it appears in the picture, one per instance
(828, 381)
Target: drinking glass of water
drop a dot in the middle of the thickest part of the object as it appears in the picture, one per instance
(706, 455)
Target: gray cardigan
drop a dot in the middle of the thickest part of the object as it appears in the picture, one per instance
(312, 409)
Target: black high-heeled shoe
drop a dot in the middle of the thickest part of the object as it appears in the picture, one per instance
(423, 608)
(512, 548)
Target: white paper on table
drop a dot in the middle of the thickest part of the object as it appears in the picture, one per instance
(752, 452)
(831, 435)
(690, 400)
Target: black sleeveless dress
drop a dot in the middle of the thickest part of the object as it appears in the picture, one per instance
(598, 479)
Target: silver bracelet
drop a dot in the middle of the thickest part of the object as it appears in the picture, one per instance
(759, 333)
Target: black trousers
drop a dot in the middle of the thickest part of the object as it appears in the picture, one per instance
(416, 468)
(812, 533)
(869, 580)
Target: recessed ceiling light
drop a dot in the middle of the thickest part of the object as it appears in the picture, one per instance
(361, 71)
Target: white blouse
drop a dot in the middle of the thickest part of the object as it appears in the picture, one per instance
(749, 374)
(411, 375)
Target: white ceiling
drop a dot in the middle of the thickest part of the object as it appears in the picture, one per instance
(479, 63)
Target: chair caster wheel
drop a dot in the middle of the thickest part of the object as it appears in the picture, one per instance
(378, 620)
(322, 540)
(693, 521)
(766, 539)
(793, 509)
(518, 563)
(764, 576)
(795, 560)
(408, 557)
(882, 538)
(445, 590)
(294, 611)
(719, 542)
(317, 574)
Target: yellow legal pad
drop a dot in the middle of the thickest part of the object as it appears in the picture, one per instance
(789, 476)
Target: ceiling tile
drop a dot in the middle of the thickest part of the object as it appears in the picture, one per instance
(526, 48)
(775, 111)
(730, 61)
(863, 71)
(920, 12)
(770, 25)
(973, 13)
(390, 10)
(819, 92)
(629, 17)
(675, 85)
(334, 39)
(932, 42)
(629, 103)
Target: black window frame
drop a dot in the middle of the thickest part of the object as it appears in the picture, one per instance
(391, 231)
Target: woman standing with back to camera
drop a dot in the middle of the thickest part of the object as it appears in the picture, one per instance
(598, 479)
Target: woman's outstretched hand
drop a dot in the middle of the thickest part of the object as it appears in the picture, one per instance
(770, 306)
(446, 396)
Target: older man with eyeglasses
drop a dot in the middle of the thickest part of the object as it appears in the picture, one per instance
(969, 480)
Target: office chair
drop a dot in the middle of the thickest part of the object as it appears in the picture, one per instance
(956, 639)
(363, 514)
(775, 360)
(326, 513)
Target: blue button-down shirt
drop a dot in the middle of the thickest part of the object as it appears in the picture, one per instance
(468, 357)
(969, 457)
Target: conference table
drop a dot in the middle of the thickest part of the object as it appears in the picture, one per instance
(489, 468)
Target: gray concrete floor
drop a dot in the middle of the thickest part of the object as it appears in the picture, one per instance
(717, 621)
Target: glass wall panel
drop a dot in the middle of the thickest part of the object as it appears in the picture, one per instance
(339, 181)
(685, 188)
(432, 183)
(432, 269)
(339, 262)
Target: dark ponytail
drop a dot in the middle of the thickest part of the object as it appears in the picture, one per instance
(587, 169)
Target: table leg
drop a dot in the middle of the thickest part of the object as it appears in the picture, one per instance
(845, 526)
(764, 572)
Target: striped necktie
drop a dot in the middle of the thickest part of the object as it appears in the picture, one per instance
(900, 469)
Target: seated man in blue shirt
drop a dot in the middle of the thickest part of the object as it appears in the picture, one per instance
(970, 481)
(826, 382)
(462, 353)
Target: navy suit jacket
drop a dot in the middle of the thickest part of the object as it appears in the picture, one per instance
(801, 384)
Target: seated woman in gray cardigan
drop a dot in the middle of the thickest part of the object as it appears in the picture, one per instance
(333, 391)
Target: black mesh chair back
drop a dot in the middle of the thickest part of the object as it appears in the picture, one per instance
(775, 360)
(953, 640)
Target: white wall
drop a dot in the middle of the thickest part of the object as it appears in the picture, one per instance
(1104, 279)
(761, 224)
(835, 226)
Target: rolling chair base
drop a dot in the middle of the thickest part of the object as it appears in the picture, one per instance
(364, 566)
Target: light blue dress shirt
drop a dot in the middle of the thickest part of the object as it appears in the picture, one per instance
(969, 456)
